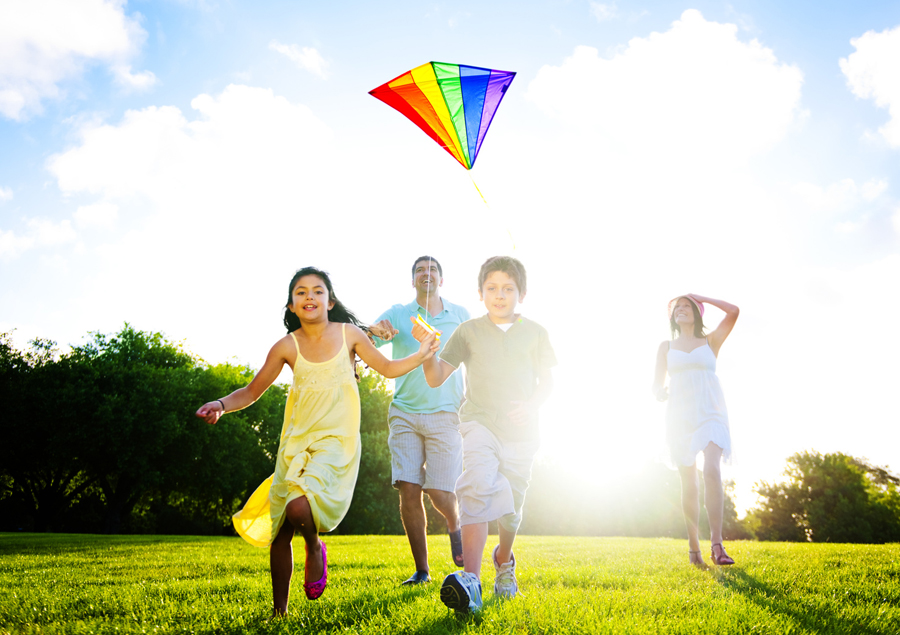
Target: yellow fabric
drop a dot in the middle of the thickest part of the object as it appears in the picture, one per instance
(318, 456)
(427, 82)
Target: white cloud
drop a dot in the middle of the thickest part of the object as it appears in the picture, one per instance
(694, 95)
(48, 233)
(603, 12)
(840, 196)
(11, 245)
(873, 72)
(41, 233)
(895, 221)
(306, 58)
(244, 183)
(135, 81)
(44, 42)
(847, 227)
(244, 140)
(873, 188)
(834, 197)
(98, 214)
(6, 194)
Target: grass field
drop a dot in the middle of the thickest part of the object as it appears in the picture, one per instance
(171, 584)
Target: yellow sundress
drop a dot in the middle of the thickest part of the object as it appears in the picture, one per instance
(318, 456)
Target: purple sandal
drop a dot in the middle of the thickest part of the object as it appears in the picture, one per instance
(315, 589)
(724, 559)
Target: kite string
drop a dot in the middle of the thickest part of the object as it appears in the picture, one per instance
(477, 189)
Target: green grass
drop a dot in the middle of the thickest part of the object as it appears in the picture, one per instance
(143, 584)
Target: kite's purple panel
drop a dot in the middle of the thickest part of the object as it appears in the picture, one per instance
(497, 85)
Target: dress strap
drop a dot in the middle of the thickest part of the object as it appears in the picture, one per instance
(296, 345)
(344, 333)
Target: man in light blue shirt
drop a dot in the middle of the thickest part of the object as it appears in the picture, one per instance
(426, 448)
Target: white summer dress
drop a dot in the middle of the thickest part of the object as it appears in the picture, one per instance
(696, 412)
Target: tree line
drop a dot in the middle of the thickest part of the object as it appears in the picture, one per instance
(103, 439)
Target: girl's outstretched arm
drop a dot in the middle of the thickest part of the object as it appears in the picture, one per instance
(390, 368)
(278, 356)
(717, 337)
(659, 377)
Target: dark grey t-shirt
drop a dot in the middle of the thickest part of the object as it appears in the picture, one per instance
(501, 368)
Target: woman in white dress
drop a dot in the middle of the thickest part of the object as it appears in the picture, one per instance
(696, 417)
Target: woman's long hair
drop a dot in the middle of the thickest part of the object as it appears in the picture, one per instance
(337, 313)
(698, 321)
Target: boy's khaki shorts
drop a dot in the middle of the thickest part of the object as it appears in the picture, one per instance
(495, 476)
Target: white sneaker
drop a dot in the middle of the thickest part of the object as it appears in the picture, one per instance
(505, 584)
(461, 591)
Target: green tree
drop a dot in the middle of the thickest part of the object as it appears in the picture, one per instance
(222, 464)
(108, 431)
(42, 473)
(132, 429)
(830, 498)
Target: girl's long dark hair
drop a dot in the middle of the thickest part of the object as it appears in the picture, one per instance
(337, 313)
(698, 322)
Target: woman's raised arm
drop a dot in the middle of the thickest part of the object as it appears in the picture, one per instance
(717, 337)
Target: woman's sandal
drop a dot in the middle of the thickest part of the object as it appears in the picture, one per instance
(696, 559)
(724, 559)
(315, 589)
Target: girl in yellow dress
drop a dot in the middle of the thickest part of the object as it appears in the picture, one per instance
(318, 456)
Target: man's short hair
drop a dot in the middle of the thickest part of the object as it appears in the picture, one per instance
(508, 265)
(420, 259)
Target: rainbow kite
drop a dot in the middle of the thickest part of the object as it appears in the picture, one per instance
(452, 103)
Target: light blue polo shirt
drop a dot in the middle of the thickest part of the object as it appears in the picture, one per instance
(412, 393)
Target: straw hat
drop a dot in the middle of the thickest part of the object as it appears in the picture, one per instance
(674, 301)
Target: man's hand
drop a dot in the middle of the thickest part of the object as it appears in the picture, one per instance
(384, 330)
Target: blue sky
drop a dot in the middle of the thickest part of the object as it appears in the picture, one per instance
(171, 163)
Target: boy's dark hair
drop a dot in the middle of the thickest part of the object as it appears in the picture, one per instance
(698, 322)
(508, 265)
(337, 313)
(420, 259)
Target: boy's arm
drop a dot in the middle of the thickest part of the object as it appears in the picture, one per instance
(525, 411)
(436, 371)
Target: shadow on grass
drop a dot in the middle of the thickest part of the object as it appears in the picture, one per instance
(451, 622)
(817, 619)
(359, 612)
